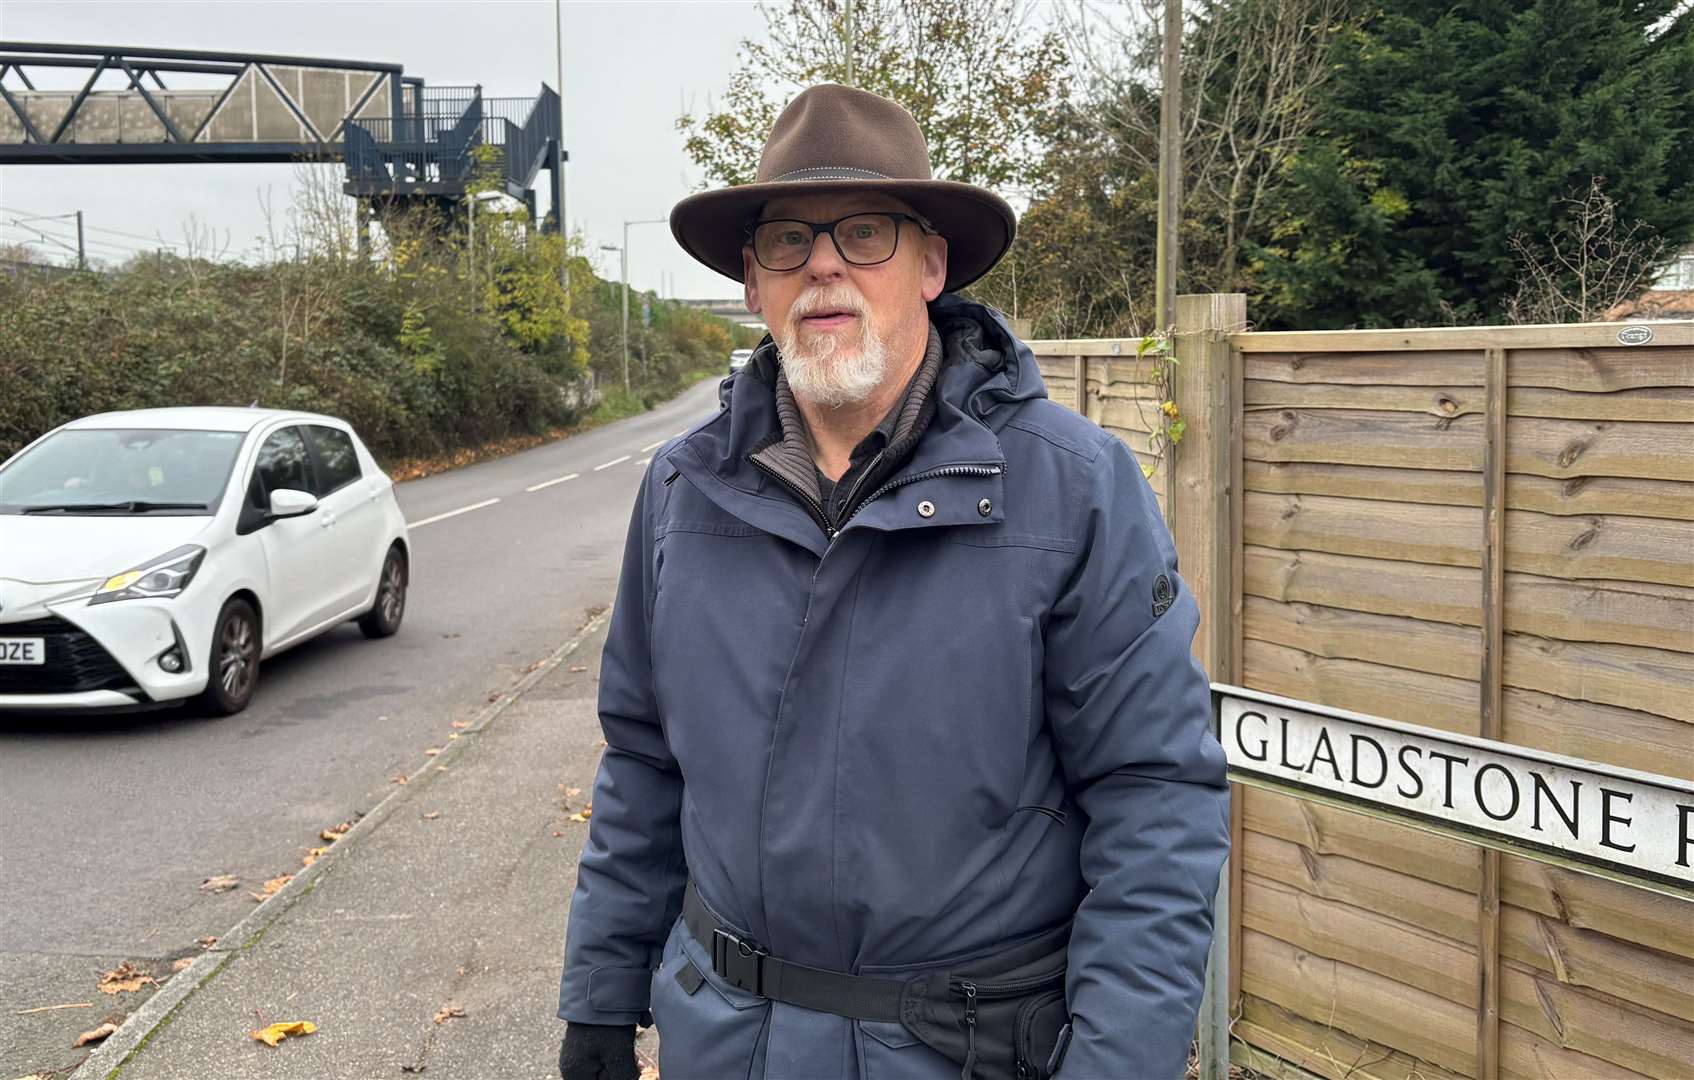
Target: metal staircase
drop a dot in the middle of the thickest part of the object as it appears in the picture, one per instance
(431, 153)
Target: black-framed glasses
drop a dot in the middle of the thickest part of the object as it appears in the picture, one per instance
(861, 239)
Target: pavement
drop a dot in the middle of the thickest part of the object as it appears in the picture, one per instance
(427, 941)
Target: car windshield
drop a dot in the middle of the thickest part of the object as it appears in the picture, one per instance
(120, 471)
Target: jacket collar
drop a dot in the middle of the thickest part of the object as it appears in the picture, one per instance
(987, 375)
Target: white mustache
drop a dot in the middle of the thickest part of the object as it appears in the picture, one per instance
(837, 299)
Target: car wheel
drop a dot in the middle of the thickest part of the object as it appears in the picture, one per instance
(383, 619)
(233, 668)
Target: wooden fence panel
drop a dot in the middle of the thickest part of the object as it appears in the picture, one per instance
(1482, 530)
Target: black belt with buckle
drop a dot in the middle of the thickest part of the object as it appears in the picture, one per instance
(739, 961)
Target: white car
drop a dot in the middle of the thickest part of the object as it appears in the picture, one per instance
(161, 554)
(739, 359)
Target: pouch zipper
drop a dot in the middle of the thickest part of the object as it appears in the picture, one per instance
(1024, 1070)
(1003, 989)
(969, 990)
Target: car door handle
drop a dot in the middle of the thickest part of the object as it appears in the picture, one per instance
(326, 521)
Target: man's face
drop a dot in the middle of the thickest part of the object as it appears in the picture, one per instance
(835, 322)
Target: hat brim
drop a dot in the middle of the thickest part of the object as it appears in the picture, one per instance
(978, 224)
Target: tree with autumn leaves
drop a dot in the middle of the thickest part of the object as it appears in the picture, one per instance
(1346, 163)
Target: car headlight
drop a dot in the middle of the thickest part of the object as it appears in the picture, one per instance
(165, 576)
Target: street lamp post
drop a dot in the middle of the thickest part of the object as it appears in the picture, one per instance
(559, 211)
(625, 252)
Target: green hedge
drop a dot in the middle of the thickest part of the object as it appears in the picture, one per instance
(422, 350)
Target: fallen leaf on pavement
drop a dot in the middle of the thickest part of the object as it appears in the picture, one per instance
(335, 832)
(448, 1011)
(182, 963)
(206, 942)
(432, 751)
(572, 792)
(97, 1034)
(556, 833)
(275, 1033)
(432, 815)
(313, 855)
(461, 723)
(400, 779)
(533, 666)
(584, 814)
(454, 734)
(271, 887)
(220, 883)
(125, 979)
(441, 768)
(496, 696)
(579, 668)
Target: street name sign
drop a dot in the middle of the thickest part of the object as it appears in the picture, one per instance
(1630, 826)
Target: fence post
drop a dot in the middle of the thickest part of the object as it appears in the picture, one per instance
(1204, 514)
(1493, 629)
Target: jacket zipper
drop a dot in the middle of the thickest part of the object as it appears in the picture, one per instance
(816, 509)
(928, 474)
(811, 504)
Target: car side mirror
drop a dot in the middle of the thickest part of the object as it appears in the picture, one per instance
(287, 503)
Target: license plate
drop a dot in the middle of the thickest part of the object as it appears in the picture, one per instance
(23, 650)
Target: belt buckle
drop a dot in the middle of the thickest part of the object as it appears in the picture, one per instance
(739, 963)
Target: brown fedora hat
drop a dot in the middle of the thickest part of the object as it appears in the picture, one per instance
(835, 138)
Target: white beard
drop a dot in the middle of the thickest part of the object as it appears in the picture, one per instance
(823, 369)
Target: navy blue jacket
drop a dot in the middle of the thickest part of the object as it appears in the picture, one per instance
(934, 735)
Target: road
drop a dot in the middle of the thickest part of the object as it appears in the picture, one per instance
(108, 826)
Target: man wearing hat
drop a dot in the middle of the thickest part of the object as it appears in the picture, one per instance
(908, 767)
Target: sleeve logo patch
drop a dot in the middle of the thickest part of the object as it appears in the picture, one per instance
(1163, 595)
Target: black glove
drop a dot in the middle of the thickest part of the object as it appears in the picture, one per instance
(598, 1052)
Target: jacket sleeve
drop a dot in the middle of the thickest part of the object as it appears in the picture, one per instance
(630, 881)
(1130, 710)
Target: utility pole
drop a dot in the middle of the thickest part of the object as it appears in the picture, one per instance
(81, 256)
(564, 227)
(850, 80)
(1170, 170)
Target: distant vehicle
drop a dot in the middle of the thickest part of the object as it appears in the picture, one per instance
(738, 359)
(158, 555)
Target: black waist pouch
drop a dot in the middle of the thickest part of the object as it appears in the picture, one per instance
(1000, 1017)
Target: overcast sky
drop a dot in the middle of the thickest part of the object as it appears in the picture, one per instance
(630, 67)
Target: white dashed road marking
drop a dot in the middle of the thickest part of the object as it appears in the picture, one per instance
(550, 483)
(450, 513)
(642, 464)
(654, 446)
(615, 461)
